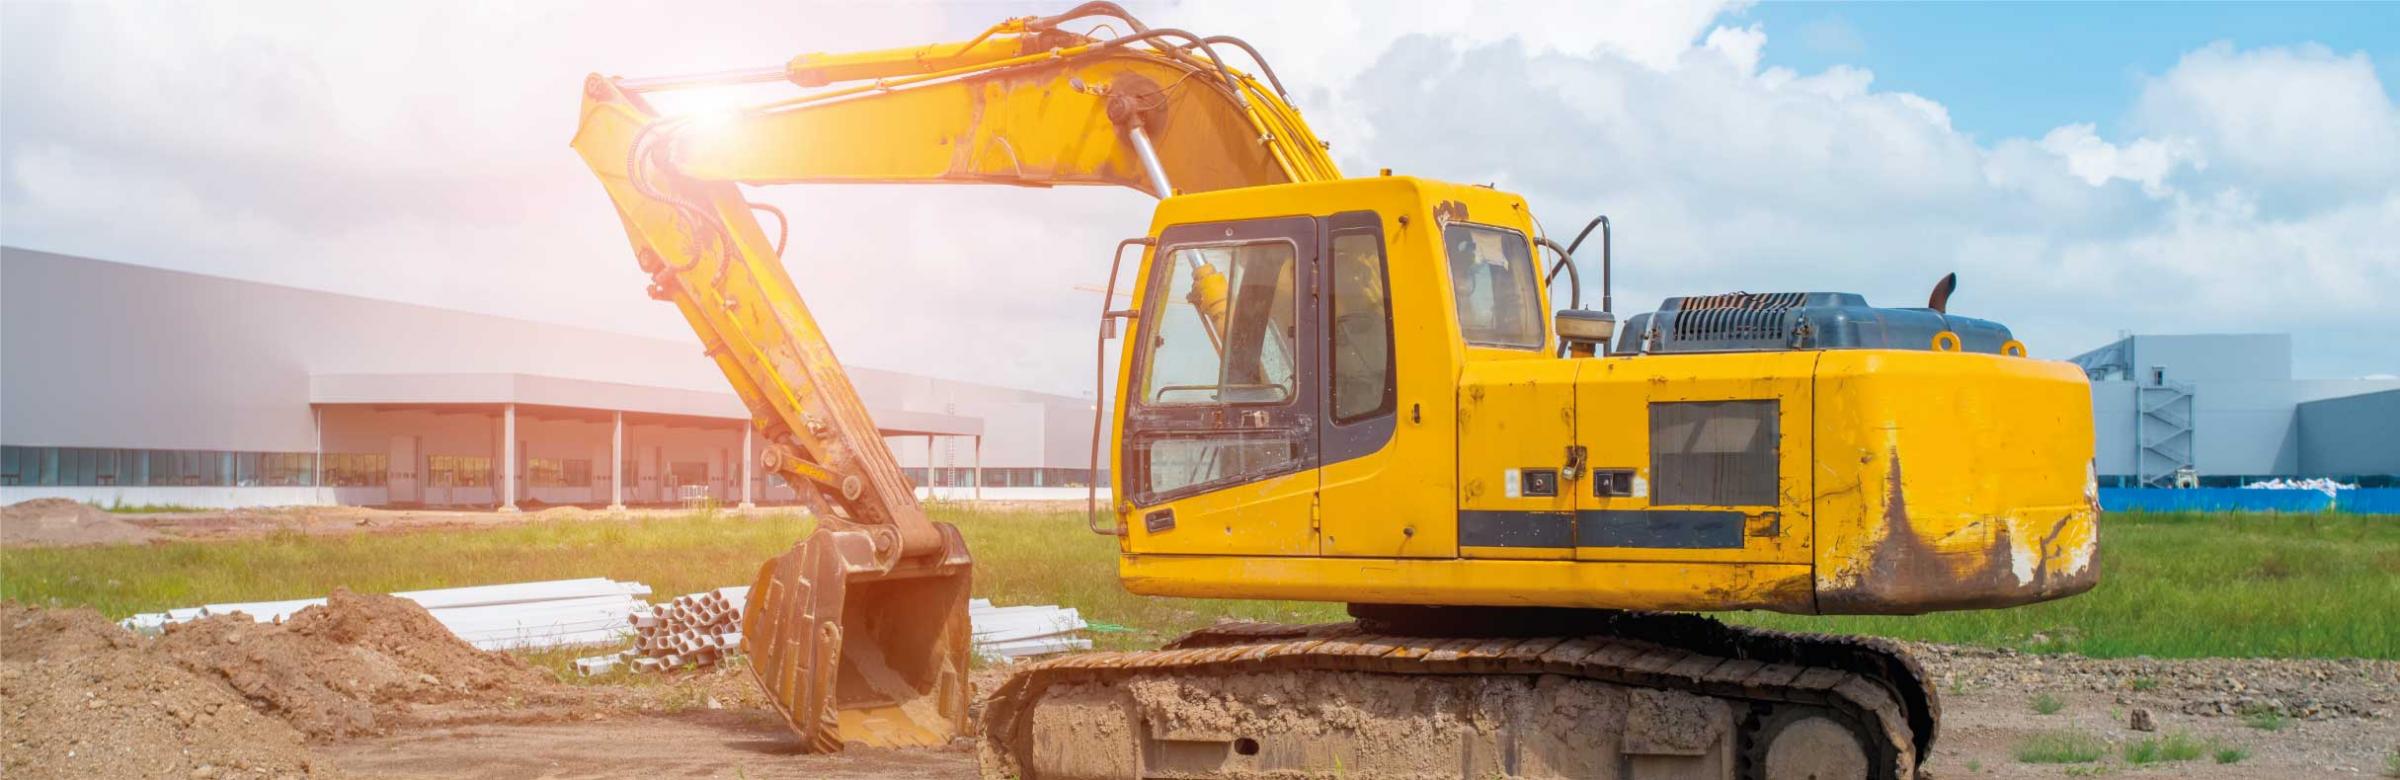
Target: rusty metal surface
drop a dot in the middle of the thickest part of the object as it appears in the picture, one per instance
(853, 650)
(1867, 681)
(1906, 573)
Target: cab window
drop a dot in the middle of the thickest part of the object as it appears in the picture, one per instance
(1361, 327)
(1492, 277)
(1225, 332)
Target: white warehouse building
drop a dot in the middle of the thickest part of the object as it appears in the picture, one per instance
(2226, 410)
(130, 385)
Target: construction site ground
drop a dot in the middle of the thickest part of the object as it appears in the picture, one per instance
(366, 690)
(1986, 720)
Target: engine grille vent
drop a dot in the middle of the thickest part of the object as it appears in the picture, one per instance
(1714, 453)
(1735, 316)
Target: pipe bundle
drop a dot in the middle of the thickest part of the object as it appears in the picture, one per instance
(696, 630)
(514, 616)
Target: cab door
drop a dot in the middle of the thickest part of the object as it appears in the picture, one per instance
(1220, 409)
(1385, 484)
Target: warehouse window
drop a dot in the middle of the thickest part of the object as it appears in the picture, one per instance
(270, 469)
(558, 472)
(356, 469)
(459, 470)
(109, 467)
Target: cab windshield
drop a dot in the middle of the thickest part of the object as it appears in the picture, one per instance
(1492, 277)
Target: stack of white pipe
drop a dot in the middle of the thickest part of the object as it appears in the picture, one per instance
(522, 615)
(695, 630)
(704, 629)
(1008, 633)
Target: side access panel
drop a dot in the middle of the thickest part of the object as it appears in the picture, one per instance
(1697, 458)
(1515, 421)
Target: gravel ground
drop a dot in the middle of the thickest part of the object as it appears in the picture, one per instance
(2293, 718)
(2337, 720)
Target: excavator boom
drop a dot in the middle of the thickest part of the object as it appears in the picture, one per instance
(859, 633)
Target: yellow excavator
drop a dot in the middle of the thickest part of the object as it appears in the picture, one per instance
(1355, 390)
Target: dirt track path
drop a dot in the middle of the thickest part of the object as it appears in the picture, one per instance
(703, 744)
(1986, 713)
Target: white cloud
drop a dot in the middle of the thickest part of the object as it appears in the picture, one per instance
(1720, 177)
(2145, 161)
(417, 154)
(1739, 45)
(2303, 121)
(1334, 42)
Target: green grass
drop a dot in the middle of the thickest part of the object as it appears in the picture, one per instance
(2173, 586)
(2145, 684)
(122, 508)
(2060, 747)
(2192, 585)
(673, 555)
(2231, 754)
(2167, 749)
(2264, 718)
(2047, 704)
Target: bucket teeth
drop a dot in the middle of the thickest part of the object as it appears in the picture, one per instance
(850, 649)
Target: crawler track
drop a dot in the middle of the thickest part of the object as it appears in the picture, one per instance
(1657, 683)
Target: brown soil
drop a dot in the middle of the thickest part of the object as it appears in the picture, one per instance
(229, 697)
(82, 698)
(1986, 705)
(58, 522)
(356, 666)
(2342, 717)
(729, 744)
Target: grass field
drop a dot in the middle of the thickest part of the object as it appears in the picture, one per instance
(2172, 585)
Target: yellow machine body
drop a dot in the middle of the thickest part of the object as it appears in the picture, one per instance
(1332, 389)
(1901, 481)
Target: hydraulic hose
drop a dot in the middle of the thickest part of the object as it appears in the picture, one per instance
(1566, 262)
(1607, 261)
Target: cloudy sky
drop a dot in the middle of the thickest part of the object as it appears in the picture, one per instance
(2086, 169)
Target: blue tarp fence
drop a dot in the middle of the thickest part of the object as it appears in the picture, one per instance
(2365, 501)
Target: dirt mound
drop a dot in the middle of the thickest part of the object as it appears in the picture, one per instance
(80, 697)
(51, 522)
(358, 665)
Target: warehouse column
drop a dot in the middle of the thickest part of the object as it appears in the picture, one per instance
(746, 445)
(318, 479)
(508, 458)
(616, 465)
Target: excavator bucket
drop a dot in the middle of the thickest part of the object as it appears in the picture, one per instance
(855, 651)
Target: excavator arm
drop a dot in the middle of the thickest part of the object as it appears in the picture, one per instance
(859, 632)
